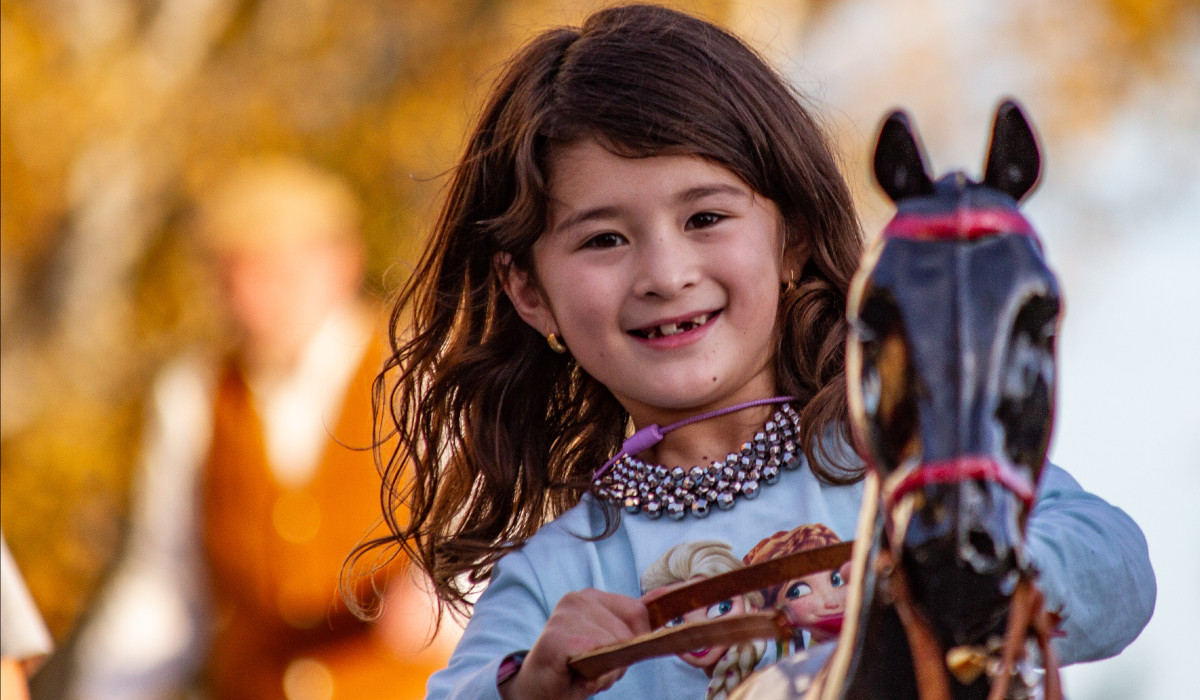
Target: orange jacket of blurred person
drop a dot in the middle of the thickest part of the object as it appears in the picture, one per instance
(274, 553)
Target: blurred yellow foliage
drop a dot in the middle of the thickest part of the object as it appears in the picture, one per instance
(1139, 26)
(113, 116)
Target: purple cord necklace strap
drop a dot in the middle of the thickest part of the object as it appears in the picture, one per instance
(652, 434)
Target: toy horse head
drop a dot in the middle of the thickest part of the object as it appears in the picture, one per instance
(950, 366)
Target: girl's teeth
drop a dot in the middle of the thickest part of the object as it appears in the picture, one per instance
(674, 328)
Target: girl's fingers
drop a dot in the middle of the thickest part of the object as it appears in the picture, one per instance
(633, 612)
(617, 617)
(604, 682)
(614, 608)
(582, 621)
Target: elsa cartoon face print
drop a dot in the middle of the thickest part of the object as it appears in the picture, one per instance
(705, 657)
(692, 561)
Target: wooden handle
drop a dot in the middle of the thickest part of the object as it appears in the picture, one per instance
(730, 630)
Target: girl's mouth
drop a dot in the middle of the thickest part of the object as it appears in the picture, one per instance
(675, 328)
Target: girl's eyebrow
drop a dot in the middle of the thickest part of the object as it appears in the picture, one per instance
(604, 212)
(700, 192)
(688, 195)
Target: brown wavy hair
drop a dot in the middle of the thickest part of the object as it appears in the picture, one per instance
(493, 433)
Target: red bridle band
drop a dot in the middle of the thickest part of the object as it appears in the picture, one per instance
(974, 468)
(958, 224)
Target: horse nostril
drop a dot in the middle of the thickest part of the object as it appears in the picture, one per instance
(983, 551)
(982, 543)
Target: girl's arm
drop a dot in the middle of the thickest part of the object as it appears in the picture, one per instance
(514, 615)
(1094, 568)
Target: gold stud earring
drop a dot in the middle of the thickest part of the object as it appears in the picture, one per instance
(555, 344)
(791, 283)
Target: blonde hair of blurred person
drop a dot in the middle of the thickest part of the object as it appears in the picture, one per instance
(292, 399)
(285, 245)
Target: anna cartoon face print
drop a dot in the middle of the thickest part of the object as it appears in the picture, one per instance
(815, 603)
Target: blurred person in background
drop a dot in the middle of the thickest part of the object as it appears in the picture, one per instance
(256, 480)
(24, 639)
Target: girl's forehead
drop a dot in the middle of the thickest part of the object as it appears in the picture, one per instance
(591, 151)
(586, 172)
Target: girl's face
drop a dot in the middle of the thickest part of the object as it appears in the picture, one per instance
(662, 276)
(817, 602)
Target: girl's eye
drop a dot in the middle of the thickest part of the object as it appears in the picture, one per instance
(721, 608)
(674, 622)
(835, 578)
(798, 589)
(604, 240)
(703, 220)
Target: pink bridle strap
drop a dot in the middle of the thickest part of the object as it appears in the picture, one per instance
(969, 467)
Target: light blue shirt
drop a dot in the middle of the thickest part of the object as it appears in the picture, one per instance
(1093, 560)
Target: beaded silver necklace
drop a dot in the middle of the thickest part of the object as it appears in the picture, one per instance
(655, 490)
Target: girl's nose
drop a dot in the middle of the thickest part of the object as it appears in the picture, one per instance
(668, 264)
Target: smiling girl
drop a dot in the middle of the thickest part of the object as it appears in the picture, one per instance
(647, 229)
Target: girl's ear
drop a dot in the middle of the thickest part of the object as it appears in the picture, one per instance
(795, 258)
(525, 294)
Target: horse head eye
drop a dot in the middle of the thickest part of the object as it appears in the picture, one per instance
(1026, 382)
(1023, 371)
(885, 384)
(1030, 362)
(871, 386)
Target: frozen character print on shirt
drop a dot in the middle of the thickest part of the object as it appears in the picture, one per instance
(726, 666)
(815, 604)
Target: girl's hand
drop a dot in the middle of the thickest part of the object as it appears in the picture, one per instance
(582, 621)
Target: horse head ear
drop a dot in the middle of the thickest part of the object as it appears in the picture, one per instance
(899, 167)
(1013, 163)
